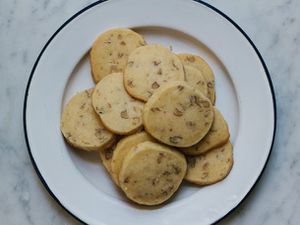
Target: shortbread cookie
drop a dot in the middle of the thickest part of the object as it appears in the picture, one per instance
(211, 166)
(200, 64)
(122, 149)
(148, 68)
(110, 51)
(178, 115)
(81, 126)
(119, 112)
(216, 136)
(151, 173)
(194, 78)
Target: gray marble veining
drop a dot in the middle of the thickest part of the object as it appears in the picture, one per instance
(274, 26)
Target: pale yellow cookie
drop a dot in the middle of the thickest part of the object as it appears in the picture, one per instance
(151, 173)
(216, 136)
(194, 78)
(122, 149)
(110, 51)
(178, 115)
(106, 158)
(148, 68)
(211, 166)
(81, 126)
(200, 64)
(119, 112)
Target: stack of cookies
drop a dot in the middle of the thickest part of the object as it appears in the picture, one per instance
(151, 116)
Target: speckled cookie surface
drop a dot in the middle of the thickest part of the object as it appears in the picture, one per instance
(151, 173)
(200, 64)
(119, 112)
(211, 166)
(81, 126)
(150, 67)
(178, 115)
(110, 51)
(216, 136)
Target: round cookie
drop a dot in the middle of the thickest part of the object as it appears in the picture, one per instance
(119, 112)
(148, 68)
(178, 115)
(151, 173)
(106, 158)
(110, 51)
(216, 136)
(200, 64)
(194, 78)
(81, 126)
(122, 149)
(210, 167)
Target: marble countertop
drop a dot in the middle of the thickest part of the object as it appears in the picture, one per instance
(274, 26)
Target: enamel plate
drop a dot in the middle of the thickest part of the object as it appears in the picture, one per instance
(245, 96)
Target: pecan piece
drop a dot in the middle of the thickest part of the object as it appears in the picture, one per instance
(155, 109)
(175, 139)
(177, 112)
(130, 63)
(180, 87)
(108, 154)
(124, 114)
(156, 63)
(130, 83)
(190, 58)
(191, 162)
(209, 84)
(159, 72)
(174, 65)
(155, 85)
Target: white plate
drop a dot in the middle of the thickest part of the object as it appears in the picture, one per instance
(244, 95)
